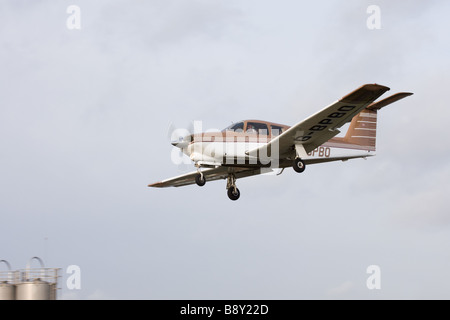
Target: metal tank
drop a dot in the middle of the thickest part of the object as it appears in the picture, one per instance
(7, 287)
(7, 291)
(37, 283)
(33, 290)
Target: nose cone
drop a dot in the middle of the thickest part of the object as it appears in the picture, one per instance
(182, 142)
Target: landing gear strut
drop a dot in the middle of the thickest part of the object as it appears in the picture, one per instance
(232, 191)
(298, 165)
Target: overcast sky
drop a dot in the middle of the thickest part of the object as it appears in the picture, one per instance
(84, 118)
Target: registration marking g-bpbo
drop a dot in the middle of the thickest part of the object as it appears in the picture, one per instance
(324, 123)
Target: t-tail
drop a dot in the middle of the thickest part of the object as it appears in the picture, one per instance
(362, 132)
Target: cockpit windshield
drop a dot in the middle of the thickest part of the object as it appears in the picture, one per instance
(236, 127)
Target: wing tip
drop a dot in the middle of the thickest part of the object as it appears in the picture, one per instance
(155, 185)
(366, 93)
(375, 86)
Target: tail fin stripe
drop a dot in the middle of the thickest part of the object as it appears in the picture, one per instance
(368, 115)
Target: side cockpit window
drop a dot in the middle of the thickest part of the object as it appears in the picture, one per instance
(257, 127)
(236, 127)
(276, 130)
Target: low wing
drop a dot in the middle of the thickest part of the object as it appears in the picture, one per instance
(323, 125)
(209, 174)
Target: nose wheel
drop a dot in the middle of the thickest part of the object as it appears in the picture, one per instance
(232, 191)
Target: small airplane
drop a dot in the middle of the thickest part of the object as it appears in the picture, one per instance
(253, 147)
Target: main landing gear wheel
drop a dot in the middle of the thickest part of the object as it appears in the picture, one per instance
(298, 165)
(233, 193)
(200, 179)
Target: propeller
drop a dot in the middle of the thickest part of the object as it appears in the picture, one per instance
(176, 135)
(181, 137)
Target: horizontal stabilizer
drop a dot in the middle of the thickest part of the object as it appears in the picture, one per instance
(383, 103)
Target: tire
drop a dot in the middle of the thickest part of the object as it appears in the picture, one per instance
(199, 181)
(233, 195)
(298, 165)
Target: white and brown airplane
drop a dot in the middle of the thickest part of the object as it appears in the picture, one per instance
(252, 147)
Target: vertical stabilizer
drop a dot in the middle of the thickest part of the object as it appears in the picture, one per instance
(363, 130)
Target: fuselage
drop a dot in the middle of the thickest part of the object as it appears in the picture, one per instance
(230, 147)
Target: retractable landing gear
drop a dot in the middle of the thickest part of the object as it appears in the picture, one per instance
(232, 191)
(298, 165)
(200, 179)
